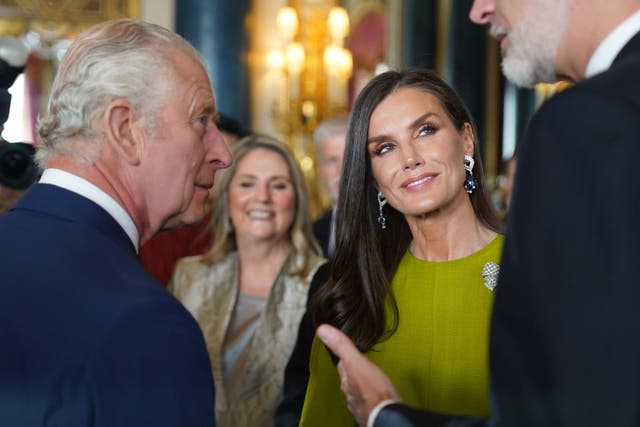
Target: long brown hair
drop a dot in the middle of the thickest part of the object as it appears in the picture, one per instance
(366, 257)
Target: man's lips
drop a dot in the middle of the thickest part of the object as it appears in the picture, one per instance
(500, 35)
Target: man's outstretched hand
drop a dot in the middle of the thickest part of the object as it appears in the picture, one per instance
(364, 384)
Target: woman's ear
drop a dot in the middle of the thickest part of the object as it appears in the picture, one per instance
(120, 131)
(469, 139)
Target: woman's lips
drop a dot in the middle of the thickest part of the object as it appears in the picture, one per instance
(415, 182)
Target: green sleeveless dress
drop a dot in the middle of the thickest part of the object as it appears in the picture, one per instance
(438, 357)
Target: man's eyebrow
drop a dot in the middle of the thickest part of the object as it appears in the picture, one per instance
(210, 111)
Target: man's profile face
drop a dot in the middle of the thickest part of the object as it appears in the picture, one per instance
(330, 156)
(187, 148)
(529, 32)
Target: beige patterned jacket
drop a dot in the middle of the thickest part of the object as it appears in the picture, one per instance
(209, 293)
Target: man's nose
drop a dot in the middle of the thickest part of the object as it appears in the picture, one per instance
(218, 152)
(481, 11)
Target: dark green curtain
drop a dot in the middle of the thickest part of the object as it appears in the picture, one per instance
(217, 29)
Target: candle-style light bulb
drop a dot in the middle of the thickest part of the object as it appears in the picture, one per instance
(338, 23)
(287, 21)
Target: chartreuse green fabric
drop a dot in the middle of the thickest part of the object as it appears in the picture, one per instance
(438, 357)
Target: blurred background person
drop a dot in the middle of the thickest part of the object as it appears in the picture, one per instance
(417, 248)
(18, 171)
(160, 254)
(329, 139)
(231, 129)
(248, 292)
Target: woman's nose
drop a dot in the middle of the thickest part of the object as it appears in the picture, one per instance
(262, 192)
(412, 158)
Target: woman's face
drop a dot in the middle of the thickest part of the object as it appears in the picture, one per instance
(417, 154)
(262, 199)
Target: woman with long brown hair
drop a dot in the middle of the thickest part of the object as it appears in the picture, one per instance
(417, 250)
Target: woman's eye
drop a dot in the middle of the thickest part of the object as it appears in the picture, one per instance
(427, 130)
(280, 186)
(382, 149)
(246, 184)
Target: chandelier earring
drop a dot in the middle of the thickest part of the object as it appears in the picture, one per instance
(381, 202)
(470, 182)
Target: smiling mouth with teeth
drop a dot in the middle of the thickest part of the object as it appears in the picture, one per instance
(259, 214)
(420, 181)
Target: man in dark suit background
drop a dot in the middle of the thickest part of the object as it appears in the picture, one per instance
(17, 167)
(564, 348)
(129, 147)
(18, 171)
(329, 139)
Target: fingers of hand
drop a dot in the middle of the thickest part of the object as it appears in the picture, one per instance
(344, 379)
(337, 341)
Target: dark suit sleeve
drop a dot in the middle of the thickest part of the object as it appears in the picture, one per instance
(153, 370)
(322, 231)
(296, 375)
(399, 415)
(564, 340)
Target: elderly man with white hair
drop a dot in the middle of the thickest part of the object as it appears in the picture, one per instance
(129, 147)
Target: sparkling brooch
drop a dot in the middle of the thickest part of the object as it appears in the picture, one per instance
(490, 273)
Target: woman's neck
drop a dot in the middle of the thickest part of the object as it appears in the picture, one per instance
(444, 236)
(259, 265)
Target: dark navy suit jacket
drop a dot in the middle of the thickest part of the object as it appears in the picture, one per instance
(87, 337)
(322, 231)
(565, 336)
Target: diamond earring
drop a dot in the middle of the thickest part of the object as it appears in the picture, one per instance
(470, 182)
(381, 202)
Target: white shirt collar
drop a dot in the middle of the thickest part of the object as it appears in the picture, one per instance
(611, 46)
(81, 186)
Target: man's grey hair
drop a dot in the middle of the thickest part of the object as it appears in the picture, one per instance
(120, 59)
(329, 128)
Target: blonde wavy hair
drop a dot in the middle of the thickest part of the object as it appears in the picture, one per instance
(303, 243)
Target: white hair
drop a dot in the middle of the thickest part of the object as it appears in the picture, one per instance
(120, 59)
(329, 128)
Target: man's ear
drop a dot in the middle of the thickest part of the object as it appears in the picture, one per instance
(120, 131)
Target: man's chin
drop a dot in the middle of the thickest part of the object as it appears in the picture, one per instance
(527, 72)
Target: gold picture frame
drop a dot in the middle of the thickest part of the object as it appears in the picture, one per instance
(56, 19)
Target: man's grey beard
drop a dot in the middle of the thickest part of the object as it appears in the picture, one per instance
(526, 72)
(534, 43)
(530, 61)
